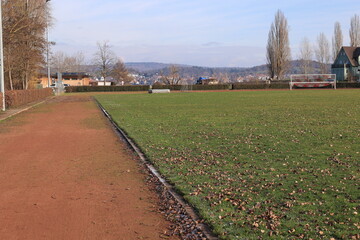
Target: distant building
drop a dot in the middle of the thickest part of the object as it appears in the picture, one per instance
(207, 81)
(72, 79)
(100, 83)
(108, 81)
(347, 64)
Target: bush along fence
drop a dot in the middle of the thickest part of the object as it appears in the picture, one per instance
(277, 85)
(18, 98)
(235, 86)
(129, 88)
(348, 85)
(1, 101)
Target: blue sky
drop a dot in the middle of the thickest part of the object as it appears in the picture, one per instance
(222, 33)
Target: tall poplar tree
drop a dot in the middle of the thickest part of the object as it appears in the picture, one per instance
(323, 53)
(337, 41)
(355, 31)
(306, 55)
(278, 47)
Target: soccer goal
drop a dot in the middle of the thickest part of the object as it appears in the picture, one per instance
(312, 80)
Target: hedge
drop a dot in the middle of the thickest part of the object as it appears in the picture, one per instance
(212, 87)
(107, 88)
(131, 88)
(195, 87)
(279, 86)
(260, 86)
(235, 86)
(18, 98)
(1, 101)
(348, 85)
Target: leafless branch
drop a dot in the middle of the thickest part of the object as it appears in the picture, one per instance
(355, 31)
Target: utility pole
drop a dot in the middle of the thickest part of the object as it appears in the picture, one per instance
(48, 49)
(2, 82)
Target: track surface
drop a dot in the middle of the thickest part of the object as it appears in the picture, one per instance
(65, 175)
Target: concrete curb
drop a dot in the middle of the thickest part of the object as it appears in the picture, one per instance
(170, 189)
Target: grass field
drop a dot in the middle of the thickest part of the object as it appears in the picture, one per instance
(267, 164)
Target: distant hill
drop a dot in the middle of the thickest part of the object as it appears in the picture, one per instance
(152, 68)
(145, 66)
(148, 66)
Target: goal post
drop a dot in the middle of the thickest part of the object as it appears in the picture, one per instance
(312, 80)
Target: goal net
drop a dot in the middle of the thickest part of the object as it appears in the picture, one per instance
(312, 80)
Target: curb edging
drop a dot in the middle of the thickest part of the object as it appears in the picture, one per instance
(169, 188)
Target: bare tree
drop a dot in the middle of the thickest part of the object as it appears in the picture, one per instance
(337, 41)
(222, 77)
(323, 53)
(278, 49)
(75, 63)
(355, 31)
(104, 59)
(58, 61)
(120, 73)
(61, 62)
(306, 55)
(173, 77)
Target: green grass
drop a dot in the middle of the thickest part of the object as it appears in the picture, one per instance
(277, 164)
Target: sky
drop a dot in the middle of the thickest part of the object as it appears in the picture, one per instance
(213, 33)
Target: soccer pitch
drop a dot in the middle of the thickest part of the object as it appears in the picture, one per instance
(268, 164)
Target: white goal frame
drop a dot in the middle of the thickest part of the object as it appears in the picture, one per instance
(312, 80)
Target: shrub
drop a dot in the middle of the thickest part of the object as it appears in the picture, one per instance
(275, 85)
(129, 88)
(279, 86)
(143, 88)
(348, 85)
(1, 101)
(195, 87)
(18, 98)
(250, 86)
(212, 87)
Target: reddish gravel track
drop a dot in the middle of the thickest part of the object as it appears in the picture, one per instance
(65, 175)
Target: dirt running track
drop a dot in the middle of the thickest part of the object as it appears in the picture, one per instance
(65, 175)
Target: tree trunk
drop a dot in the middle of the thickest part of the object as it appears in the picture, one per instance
(11, 80)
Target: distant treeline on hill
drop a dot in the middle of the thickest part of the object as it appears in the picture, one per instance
(150, 69)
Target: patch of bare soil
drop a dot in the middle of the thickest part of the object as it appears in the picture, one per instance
(65, 175)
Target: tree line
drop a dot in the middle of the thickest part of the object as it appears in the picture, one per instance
(24, 26)
(105, 64)
(278, 53)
